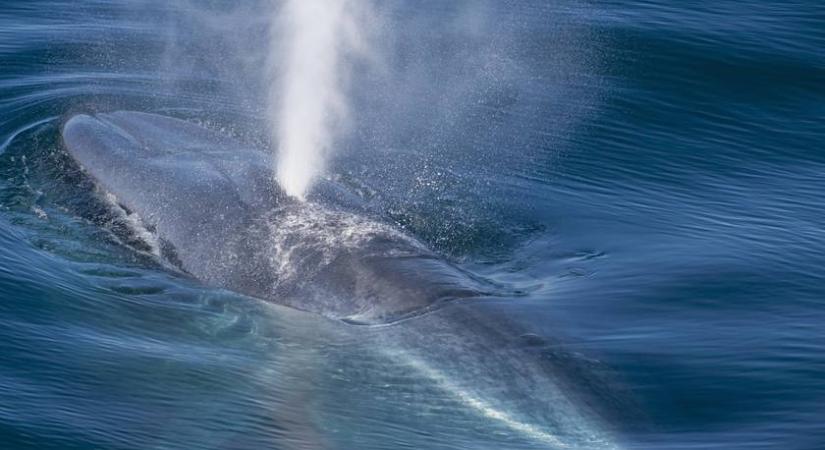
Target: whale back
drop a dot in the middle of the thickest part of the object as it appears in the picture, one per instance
(214, 204)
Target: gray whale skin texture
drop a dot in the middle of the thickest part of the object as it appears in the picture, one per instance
(210, 200)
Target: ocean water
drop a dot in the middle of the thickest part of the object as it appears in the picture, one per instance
(649, 174)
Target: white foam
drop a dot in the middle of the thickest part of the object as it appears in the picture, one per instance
(302, 230)
(135, 225)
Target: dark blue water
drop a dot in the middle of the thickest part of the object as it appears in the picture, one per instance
(651, 173)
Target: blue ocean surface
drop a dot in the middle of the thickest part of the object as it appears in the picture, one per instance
(646, 177)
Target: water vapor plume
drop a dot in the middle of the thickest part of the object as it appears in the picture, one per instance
(314, 46)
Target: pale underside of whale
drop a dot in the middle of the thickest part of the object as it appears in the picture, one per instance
(221, 217)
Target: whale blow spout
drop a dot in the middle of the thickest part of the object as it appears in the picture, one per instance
(312, 44)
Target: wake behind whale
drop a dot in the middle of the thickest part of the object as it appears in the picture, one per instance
(218, 216)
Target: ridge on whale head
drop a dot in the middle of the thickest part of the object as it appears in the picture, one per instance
(221, 217)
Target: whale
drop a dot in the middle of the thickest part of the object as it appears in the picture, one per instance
(220, 217)
(209, 199)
